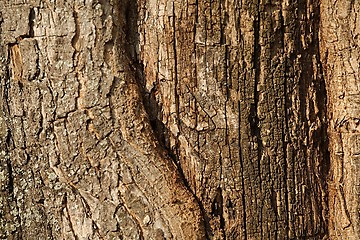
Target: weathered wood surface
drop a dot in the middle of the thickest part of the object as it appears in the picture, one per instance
(240, 91)
(341, 56)
(177, 119)
(79, 158)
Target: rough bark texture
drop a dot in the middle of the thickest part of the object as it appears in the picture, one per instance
(240, 93)
(169, 119)
(79, 158)
(341, 56)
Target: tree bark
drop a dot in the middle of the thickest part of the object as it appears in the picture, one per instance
(340, 55)
(177, 119)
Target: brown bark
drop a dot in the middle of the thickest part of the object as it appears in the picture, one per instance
(177, 119)
(242, 97)
(340, 54)
(82, 161)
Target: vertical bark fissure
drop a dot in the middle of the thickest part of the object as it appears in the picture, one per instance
(254, 123)
(176, 87)
(285, 129)
(195, 48)
(322, 101)
(152, 109)
(226, 82)
(324, 168)
(241, 159)
(31, 22)
(285, 152)
(10, 176)
(176, 80)
(5, 93)
(76, 55)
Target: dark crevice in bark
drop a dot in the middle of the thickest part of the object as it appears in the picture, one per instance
(1, 21)
(254, 120)
(176, 93)
(217, 209)
(152, 108)
(76, 36)
(31, 22)
(323, 146)
(323, 133)
(5, 89)
(195, 48)
(323, 98)
(253, 117)
(227, 86)
(10, 176)
(322, 101)
(285, 130)
(304, 59)
(312, 79)
(131, 30)
(241, 159)
(285, 146)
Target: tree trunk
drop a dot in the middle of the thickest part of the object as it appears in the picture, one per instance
(175, 119)
(341, 56)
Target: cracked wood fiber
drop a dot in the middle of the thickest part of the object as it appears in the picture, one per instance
(169, 119)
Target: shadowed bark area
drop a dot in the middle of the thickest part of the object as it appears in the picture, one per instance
(175, 119)
(240, 91)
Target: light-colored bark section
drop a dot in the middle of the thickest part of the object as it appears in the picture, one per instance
(340, 35)
(79, 159)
